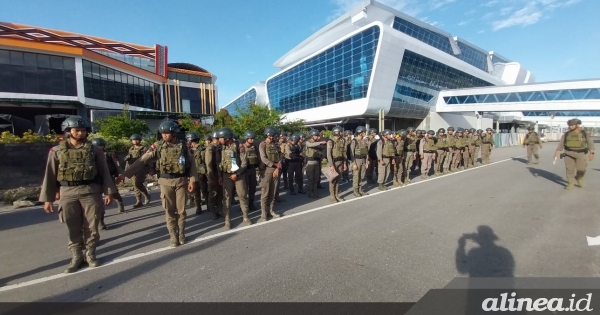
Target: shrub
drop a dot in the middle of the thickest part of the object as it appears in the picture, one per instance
(28, 137)
(121, 126)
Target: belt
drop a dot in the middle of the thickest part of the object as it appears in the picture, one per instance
(387, 157)
(411, 150)
(576, 150)
(339, 159)
(428, 151)
(313, 159)
(293, 160)
(171, 176)
(76, 183)
(364, 156)
(399, 155)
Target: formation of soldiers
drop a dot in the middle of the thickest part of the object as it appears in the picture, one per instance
(217, 167)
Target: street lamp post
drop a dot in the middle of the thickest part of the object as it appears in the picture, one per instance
(552, 126)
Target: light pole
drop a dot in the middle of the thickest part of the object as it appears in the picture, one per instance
(552, 126)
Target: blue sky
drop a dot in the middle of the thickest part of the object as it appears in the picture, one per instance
(239, 40)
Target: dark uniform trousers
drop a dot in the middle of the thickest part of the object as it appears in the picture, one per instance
(408, 164)
(82, 206)
(397, 170)
(239, 185)
(138, 184)
(359, 173)
(268, 189)
(284, 172)
(173, 192)
(201, 191)
(334, 185)
(294, 170)
(215, 197)
(449, 159)
(313, 175)
(250, 176)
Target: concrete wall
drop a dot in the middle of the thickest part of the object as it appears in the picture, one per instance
(23, 164)
(434, 121)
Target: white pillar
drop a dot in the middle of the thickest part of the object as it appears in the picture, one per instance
(536, 127)
(479, 118)
(497, 126)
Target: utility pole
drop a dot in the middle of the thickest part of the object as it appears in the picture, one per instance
(381, 120)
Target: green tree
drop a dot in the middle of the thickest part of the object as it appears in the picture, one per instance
(223, 119)
(121, 126)
(192, 125)
(256, 117)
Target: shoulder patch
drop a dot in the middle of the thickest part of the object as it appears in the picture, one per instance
(153, 146)
(52, 149)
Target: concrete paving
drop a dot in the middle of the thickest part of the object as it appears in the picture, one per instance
(389, 246)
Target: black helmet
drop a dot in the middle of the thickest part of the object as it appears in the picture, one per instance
(192, 136)
(295, 137)
(372, 130)
(360, 129)
(472, 130)
(225, 133)
(460, 130)
(410, 129)
(573, 122)
(479, 131)
(403, 133)
(98, 142)
(337, 130)
(168, 126)
(419, 132)
(214, 134)
(431, 132)
(489, 129)
(249, 134)
(302, 135)
(75, 122)
(529, 128)
(314, 132)
(270, 131)
(348, 133)
(135, 136)
(208, 137)
(386, 132)
(450, 128)
(441, 130)
(277, 133)
(283, 134)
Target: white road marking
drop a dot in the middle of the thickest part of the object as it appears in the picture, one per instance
(592, 241)
(235, 230)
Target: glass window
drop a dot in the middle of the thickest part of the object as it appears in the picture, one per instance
(4, 57)
(30, 60)
(56, 62)
(439, 41)
(69, 64)
(16, 58)
(244, 101)
(473, 57)
(311, 83)
(43, 61)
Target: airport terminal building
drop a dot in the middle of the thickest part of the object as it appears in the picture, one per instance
(375, 59)
(49, 72)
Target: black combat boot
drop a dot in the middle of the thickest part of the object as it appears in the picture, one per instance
(292, 190)
(138, 201)
(251, 206)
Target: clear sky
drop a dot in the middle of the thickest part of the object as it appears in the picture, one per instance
(239, 40)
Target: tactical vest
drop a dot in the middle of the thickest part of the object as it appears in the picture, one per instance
(575, 140)
(532, 138)
(76, 164)
(272, 152)
(451, 141)
(412, 144)
(487, 139)
(252, 156)
(314, 152)
(469, 140)
(399, 147)
(442, 143)
(461, 142)
(112, 168)
(388, 150)
(429, 145)
(135, 153)
(339, 149)
(477, 141)
(200, 159)
(168, 157)
(228, 153)
(361, 148)
(295, 152)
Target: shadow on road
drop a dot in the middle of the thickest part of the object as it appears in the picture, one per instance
(536, 172)
(522, 160)
(25, 217)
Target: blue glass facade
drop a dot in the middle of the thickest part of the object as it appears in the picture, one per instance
(473, 57)
(431, 38)
(496, 59)
(564, 113)
(534, 96)
(241, 102)
(339, 74)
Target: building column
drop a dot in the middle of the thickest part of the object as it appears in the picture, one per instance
(497, 126)
(367, 123)
(536, 127)
(479, 119)
(79, 80)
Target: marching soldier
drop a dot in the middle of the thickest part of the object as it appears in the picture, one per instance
(386, 154)
(176, 169)
(293, 158)
(399, 162)
(215, 190)
(461, 146)
(576, 144)
(314, 156)
(347, 139)
(232, 168)
(451, 153)
(372, 156)
(336, 160)
(359, 150)
(487, 145)
(135, 152)
(441, 149)
(410, 149)
(270, 167)
(476, 147)
(77, 175)
(199, 152)
(253, 162)
(533, 143)
(284, 167)
(427, 151)
(114, 167)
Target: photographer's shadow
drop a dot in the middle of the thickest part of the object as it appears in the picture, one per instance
(486, 260)
(536, 172)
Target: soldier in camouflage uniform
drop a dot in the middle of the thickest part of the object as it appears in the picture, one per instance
(252, 164)
(451, 152)
(177, 171)
(270, 167)
(427, 150)
(215, 190)
(347, 139)
(476, 147)
(77, 175)
(336, 161)
(461, 146)
(114, 167)
(314, 156)
(398, 169)
(372, 155)
(199, 152)
(386, 154)
(292, 153)
(441, 148)
(359, 149)
(576, 144)
(282, 137)
(487, 146)
(410, 149)
(135, 152)
(532, 142)
(470, 147)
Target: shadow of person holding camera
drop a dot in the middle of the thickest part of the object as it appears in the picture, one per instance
(485, 260)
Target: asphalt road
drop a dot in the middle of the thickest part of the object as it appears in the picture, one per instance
(389, 246)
